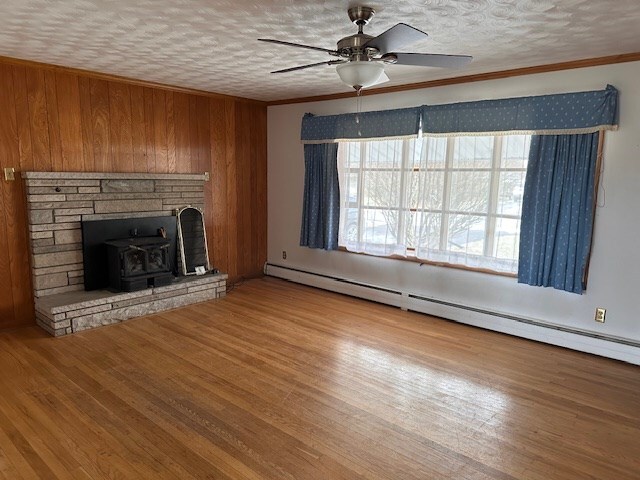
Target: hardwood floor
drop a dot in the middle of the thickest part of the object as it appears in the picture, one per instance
(279, 381)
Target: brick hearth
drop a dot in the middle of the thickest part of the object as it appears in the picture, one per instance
(59, 201)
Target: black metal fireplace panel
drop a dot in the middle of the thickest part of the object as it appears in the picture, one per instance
(95, 233)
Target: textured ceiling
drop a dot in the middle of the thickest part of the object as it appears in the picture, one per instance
(211, 45)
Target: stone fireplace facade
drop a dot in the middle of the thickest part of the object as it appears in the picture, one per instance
(57, 204)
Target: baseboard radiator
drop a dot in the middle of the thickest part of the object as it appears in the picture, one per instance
(582, 340)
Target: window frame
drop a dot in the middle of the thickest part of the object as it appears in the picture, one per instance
(492, 214)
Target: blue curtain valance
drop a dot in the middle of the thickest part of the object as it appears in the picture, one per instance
(398, 123)
(559, 114)
(565, 113)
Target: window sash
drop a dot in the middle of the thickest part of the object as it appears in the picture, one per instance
(495, 169)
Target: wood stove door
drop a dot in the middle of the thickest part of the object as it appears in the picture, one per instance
(192, 242)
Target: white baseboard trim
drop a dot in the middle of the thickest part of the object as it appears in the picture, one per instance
(617, 348)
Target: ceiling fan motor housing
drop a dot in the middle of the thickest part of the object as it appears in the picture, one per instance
(353, 47)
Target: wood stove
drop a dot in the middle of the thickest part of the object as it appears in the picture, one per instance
(139, 262)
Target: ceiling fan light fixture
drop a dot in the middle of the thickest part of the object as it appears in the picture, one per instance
(360, 74)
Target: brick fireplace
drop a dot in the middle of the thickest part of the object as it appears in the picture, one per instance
(57, 204)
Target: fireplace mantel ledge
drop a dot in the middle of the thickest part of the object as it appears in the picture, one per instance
(112, 176)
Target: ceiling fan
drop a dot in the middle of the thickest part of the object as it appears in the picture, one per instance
(361, 58)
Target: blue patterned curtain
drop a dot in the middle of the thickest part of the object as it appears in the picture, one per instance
(321, 203)
(558, 211)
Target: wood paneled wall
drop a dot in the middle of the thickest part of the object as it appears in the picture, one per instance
(51, 120)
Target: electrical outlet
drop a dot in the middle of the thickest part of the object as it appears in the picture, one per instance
(600, 314)
(284, 254)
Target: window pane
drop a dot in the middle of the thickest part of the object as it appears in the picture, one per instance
(352, 187)
(353, 154)
(385, 154)
(470, 191)
(379, 226)
(473, 152)
(507, 238)
(415, 149)
(349, 224)
(423, 230)
(381, 188)
(426, 189)
(510, 192)
(515, 151)
(466, 234)
(434, 153)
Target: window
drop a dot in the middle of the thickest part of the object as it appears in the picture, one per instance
(453, 200)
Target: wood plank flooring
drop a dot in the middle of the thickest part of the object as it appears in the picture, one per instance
(284, 382)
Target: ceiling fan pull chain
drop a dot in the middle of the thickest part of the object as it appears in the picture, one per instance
(358, 108)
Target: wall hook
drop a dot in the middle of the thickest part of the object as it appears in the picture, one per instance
(9, 174)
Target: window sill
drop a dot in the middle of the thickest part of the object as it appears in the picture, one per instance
(435, 264)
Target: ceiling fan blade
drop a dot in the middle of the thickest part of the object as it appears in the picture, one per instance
(302, 67)
(427, 59)
(299, 45)
(395, 38)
